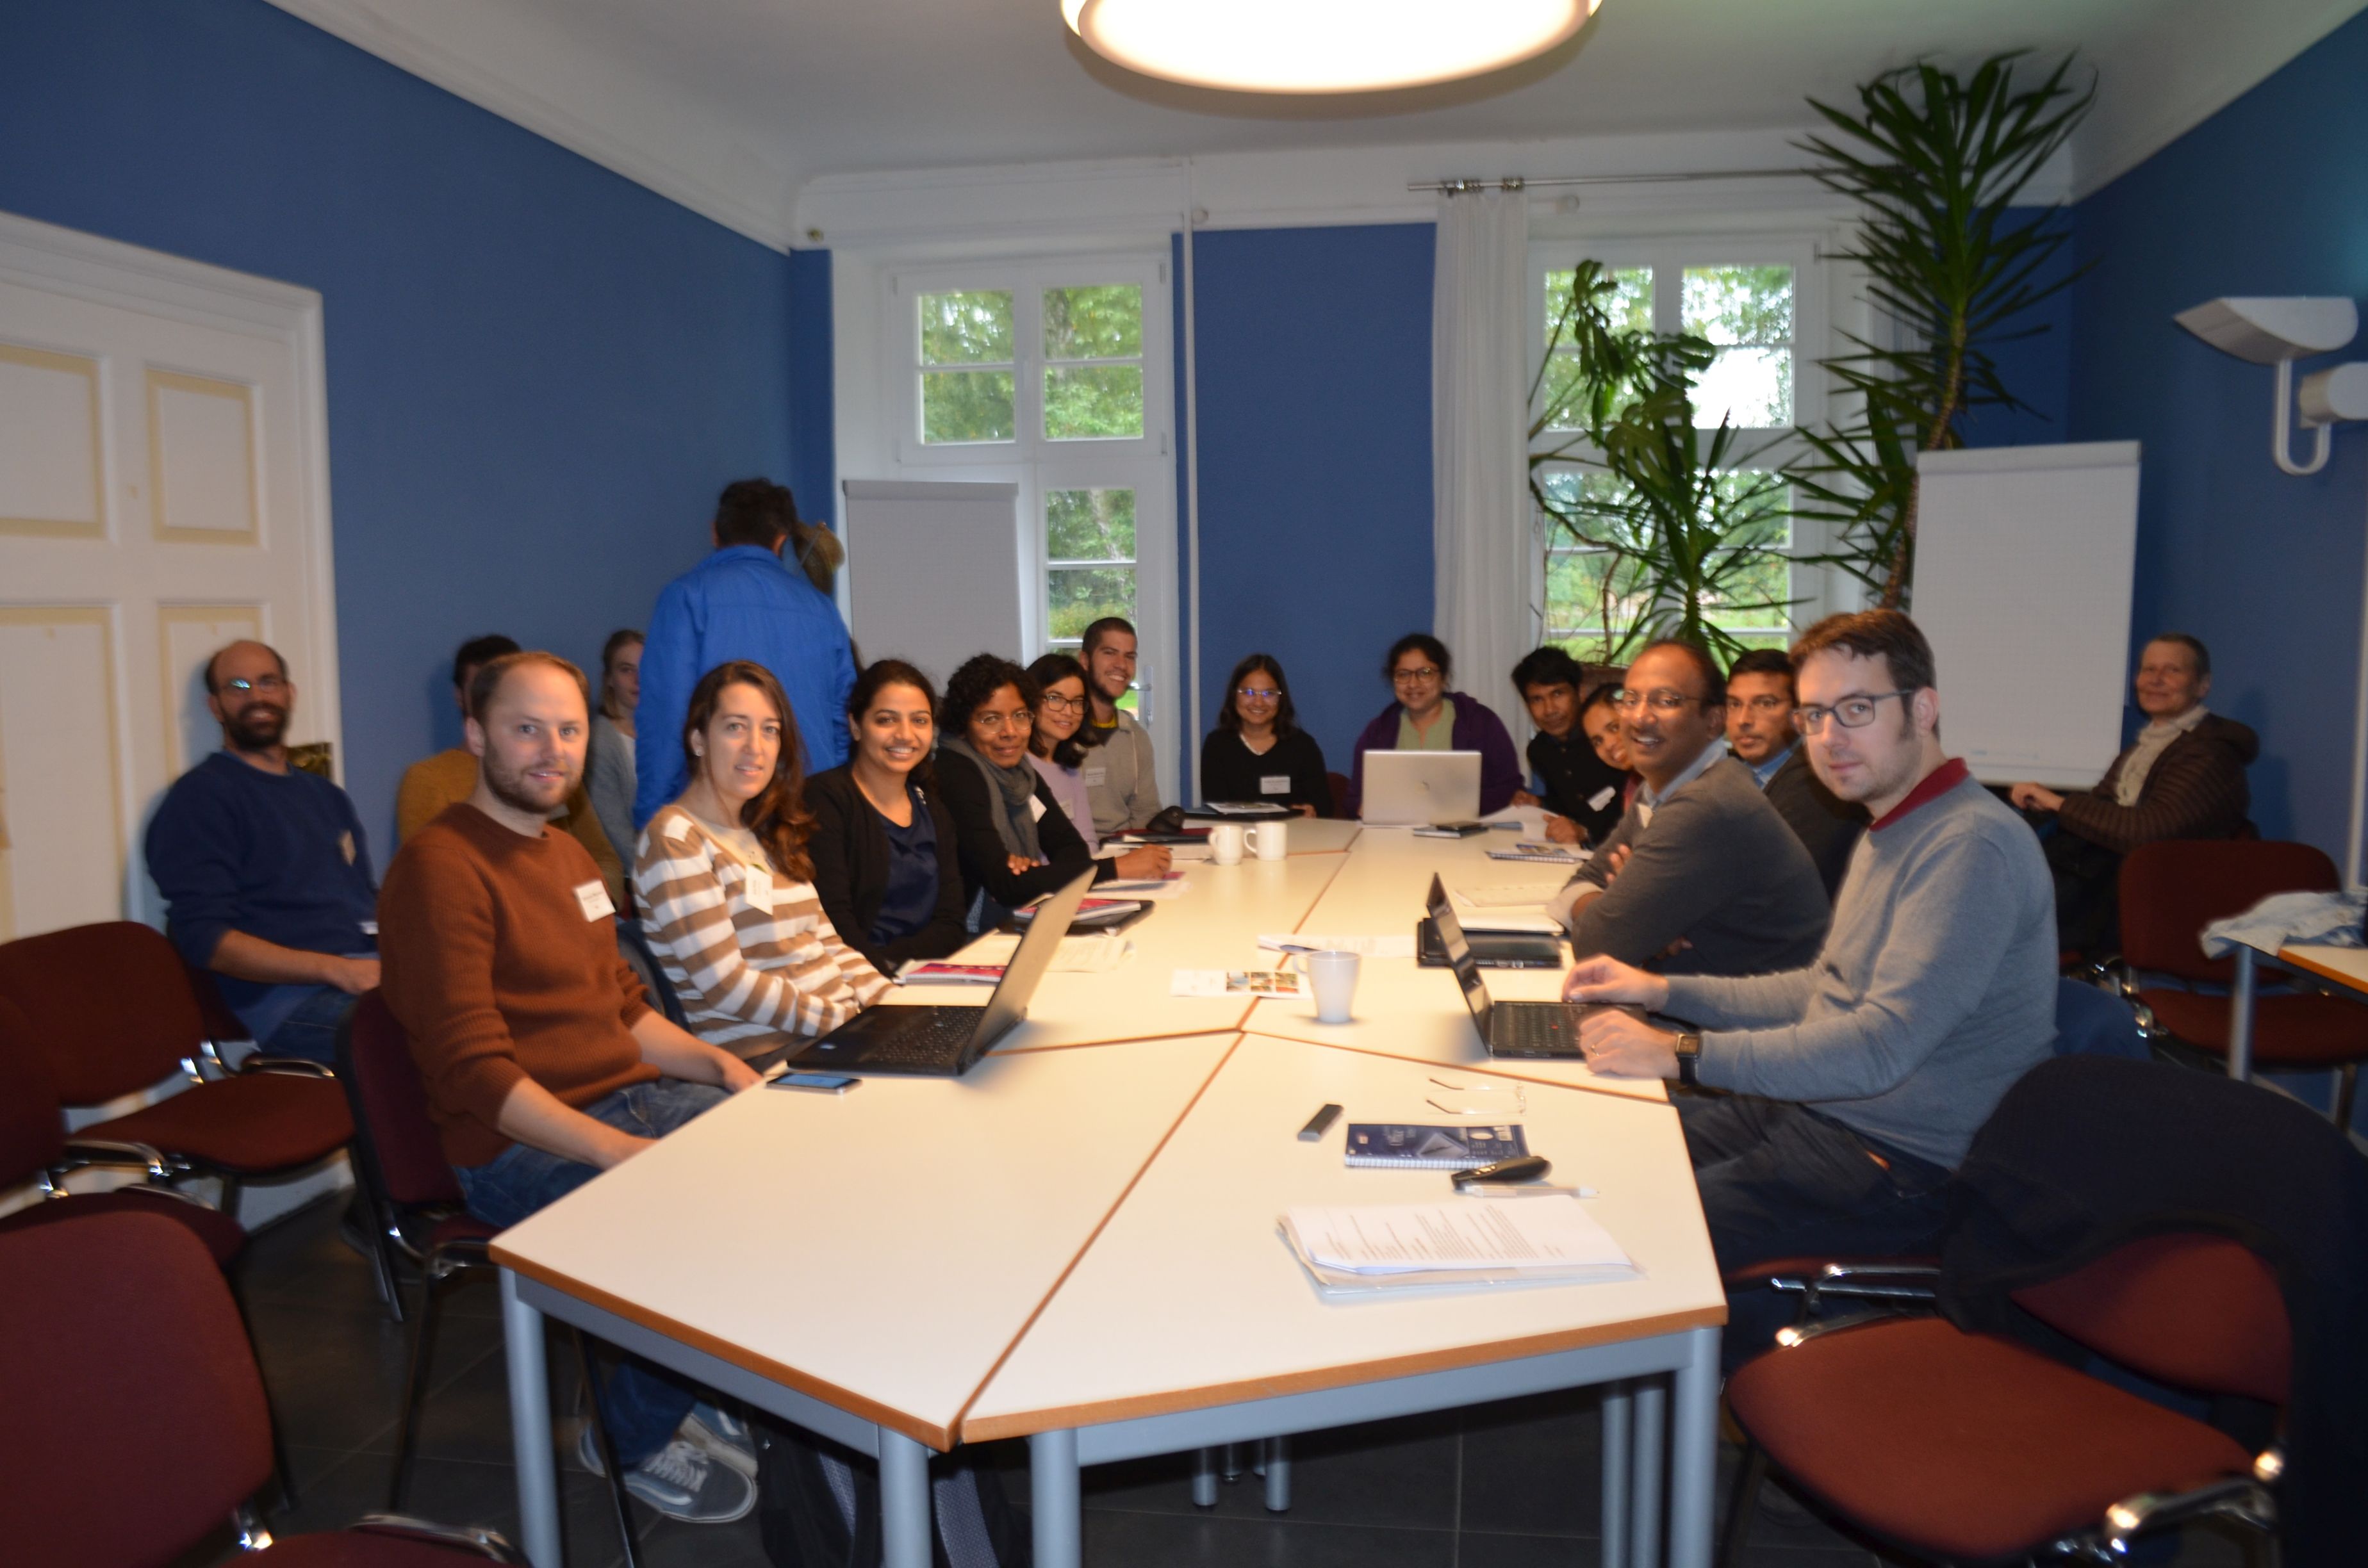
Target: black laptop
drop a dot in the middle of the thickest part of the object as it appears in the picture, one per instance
(942, 1042)
(1507, 1029)
(1489, 950)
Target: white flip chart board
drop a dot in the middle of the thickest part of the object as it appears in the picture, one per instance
(2024, 557)
(933, 571)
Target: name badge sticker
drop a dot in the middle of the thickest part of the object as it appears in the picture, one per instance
(1094, 777)
(1274, 784)
(1035, 808)
(1602, 797)
(594, 899)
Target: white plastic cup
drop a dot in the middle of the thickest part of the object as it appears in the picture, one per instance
(1226, 844)
(1332, 977)
(1270, 840)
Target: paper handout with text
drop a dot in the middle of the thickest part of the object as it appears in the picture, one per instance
(1544, 1235)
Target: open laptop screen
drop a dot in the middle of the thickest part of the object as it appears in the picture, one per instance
(1458, 956)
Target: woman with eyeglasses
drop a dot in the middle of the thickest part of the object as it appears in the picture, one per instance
(1257, 752)
(1425, 715)
(1059, 744)
(1014, 841)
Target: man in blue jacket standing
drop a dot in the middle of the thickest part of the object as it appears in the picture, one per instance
(742, 602)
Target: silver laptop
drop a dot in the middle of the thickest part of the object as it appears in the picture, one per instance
(1416, 788)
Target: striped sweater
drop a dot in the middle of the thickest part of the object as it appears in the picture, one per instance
(751, 955)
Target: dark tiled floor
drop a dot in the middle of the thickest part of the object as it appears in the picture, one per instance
(1509, 1485)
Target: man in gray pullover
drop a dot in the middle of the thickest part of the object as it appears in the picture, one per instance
(1855, 1085)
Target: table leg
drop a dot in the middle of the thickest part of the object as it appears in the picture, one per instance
(1616, 1406)
(903, 1502)
(1053, 1498)
(1693, 1452)
(538, 1472)
(1278, 1476)
(1204, 1478)
(1644, 1482)
(2240, 1017)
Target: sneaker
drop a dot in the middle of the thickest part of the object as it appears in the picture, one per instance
(682, 1483)
(721, 1435)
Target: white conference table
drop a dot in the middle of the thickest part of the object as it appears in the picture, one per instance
(2347, 966)
(1075, 1242)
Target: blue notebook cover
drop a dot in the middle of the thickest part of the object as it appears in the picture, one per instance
(1415, 1146)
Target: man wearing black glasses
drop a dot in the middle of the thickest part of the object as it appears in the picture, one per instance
(1701, 876)
(1856, 1082)
(264, 867)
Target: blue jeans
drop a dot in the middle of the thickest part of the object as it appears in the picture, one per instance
(642, 1403)
(1780, 1180)
(311, 1031)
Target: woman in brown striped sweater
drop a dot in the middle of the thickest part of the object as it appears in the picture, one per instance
(726, 887)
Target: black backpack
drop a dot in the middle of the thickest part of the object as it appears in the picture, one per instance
(803, 1523)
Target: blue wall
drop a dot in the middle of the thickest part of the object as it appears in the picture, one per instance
(1315, 383)
(812, 473)
(539, 373)
(2035, 364)
(2270, 196)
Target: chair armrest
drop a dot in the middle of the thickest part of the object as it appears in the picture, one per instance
(1796, 1335)
(1875, 1282)
(291, 1066)
(2242, 1497)
(115, 1153)
(485, 1543)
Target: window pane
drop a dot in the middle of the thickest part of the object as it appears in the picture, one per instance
(1748, 311)
(966, 405)
(1104, 322)
(1093, 402)
(1575, 583)
(1089, 525)
(968, 328)
(1756, 595)
(1080, 595)
(1632, 310)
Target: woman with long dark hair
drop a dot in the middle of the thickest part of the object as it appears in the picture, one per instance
(1257, 752)
(884, 842)
(1015, 842)
(725, 881)
(1426, 714)
(1060, 742)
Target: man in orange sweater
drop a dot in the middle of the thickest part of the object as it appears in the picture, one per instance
(544, 1064)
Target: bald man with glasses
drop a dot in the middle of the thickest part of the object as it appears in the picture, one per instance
(1701, 876)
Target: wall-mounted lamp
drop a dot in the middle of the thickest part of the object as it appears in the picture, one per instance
(2279, 331)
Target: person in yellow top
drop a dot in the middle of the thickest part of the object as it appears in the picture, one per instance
(435, 782)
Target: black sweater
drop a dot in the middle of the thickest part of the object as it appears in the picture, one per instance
(850, 871)
(964, 791)
(1231, 771)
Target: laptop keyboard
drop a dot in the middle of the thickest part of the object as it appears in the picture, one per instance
(1537, 1030)
(939, 1039)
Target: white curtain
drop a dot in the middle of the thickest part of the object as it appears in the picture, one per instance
(1481, 532)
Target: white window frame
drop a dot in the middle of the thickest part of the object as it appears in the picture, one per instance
(1145, 464)
(1816, 590)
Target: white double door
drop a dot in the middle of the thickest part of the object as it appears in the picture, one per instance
(164, 490)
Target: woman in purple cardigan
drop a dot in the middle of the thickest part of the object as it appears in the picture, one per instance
(1426, 716)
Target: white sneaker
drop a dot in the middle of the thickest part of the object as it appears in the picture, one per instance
(680, 1481)
(722, 1437)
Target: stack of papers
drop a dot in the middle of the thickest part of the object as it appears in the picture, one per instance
(1539, 1239)
(1172, 885)
(1542, 852)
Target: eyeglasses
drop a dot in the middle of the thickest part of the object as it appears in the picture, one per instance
(1661, 701)
(1257, 694)
(1407, 677)
(269, 686)
(995, 724)
(1850, 712)
(1065, 704)
(1765, 704)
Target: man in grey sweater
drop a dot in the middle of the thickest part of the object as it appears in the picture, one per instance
(1701, 876)
(1856, 1084)
(1120, 773)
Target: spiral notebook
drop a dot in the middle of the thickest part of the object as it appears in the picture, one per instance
(1416, 1146)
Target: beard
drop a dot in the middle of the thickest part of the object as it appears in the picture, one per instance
(515, 790)
(257, 727)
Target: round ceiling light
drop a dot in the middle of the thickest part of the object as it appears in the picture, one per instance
(1321, 46)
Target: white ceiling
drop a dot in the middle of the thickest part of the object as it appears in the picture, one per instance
(731, 107)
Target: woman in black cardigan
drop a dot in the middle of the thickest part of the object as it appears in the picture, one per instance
(1014, 841)
(885, 862)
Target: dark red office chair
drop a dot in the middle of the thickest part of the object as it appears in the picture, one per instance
(1968, 1447)
(111, 1011)
(34, 1148)
(141, 1349)
(408, 1187)
(2169, 892)
(1339, 783)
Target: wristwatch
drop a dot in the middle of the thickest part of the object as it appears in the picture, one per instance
(1688, 1047)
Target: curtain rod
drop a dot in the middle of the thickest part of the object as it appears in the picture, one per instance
(1515, 182)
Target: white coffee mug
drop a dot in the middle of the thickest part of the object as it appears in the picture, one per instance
(1332, 977)
(1226, 844)
(1269, 840)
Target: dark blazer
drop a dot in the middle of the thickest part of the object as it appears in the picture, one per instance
(1718, 867)
(850, 871)
(2195, 790)
(980, 848)
(1828, 826)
